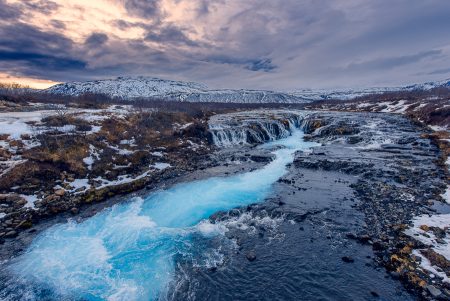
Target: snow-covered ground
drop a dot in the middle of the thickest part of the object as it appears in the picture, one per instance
(422, 232)
(22, 127)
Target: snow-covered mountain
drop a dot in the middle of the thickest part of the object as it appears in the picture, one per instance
(346, 94)
(127, 87)
(429, 85)
(150, 87)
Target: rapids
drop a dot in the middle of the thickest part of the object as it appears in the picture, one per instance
(128, 252)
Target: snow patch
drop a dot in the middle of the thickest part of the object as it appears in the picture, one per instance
(93, 155)
(31, 199)
(160, 166)
(157, 154)
(441, 221)
(426, 264)
(186, 125)
(79, 184)
(123, 179)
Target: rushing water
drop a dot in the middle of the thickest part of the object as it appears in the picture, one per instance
(128, 252)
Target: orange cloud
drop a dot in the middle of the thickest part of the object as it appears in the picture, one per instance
(27, 81)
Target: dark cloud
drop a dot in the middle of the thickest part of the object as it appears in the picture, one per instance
(46, 62)
(261, 65)
(58, 24)
(20, 37)
(169, 35)
(28, 51)
(143, 8)
(96, 40)
(8, 12)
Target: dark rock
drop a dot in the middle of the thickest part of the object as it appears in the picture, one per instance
(261, 159)
(364, 239)
(347, 259)
(395, 275)
(251, 256)
(351, 236)
(435, 292)
(11, 234)
(378, 245)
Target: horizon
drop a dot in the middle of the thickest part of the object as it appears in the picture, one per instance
(43, 84)
(287, 45)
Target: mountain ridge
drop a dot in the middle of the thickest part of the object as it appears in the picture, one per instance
(153, 87)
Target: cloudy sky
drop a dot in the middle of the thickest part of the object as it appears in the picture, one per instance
(261, 44)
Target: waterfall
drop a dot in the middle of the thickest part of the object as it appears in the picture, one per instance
(253, 127)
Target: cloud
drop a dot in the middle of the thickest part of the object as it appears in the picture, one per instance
(252, 64)
(47, 62)
(43, 6)
(96, 39)
(8, 12)
(261, 65)
(143, 8)
(169, 34)
(440, 71)
(386, 63)
(270, 44)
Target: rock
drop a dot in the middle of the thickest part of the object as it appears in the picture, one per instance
(378, 245)
(351, 236)
(60, 192)
(11, 234)
(395, 275)
(434, 291)
(74, 210)
(25, 224)
(347, 259)
(251, 256)
(261, 159)
(424, 228)
(364, 239)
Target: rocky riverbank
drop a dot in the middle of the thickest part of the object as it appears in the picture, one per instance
(359, 191)
(58, 159)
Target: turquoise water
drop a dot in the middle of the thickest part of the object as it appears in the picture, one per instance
(128, 252)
